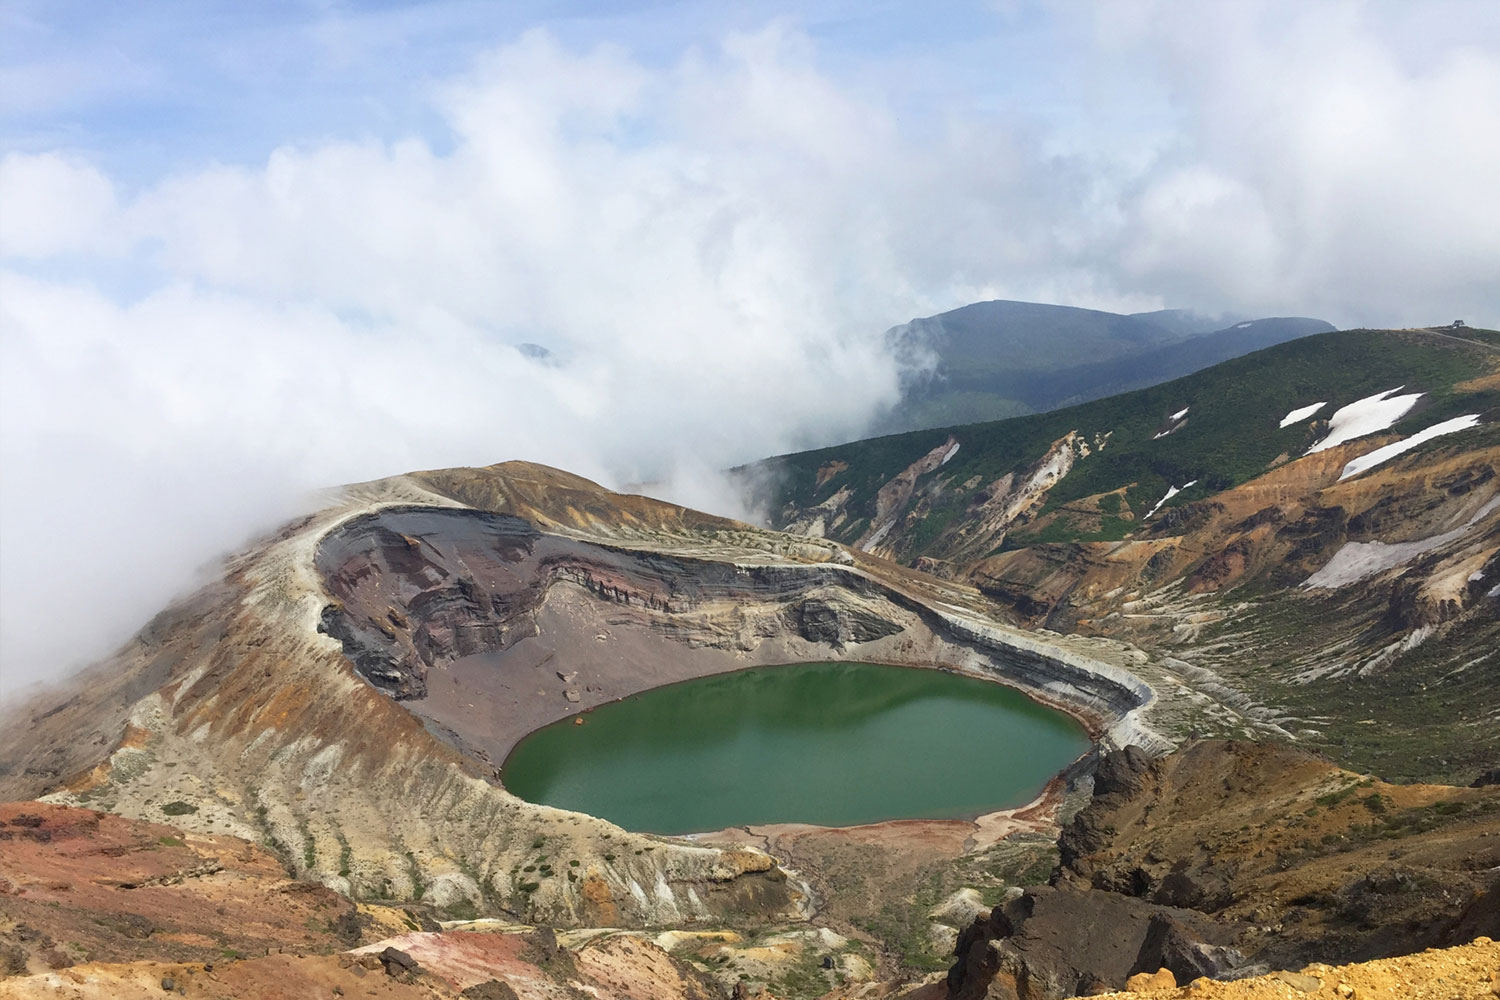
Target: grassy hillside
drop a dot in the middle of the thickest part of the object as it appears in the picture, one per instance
(1230, 433)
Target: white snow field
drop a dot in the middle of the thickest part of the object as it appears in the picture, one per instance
(1354, 561)
(1366, 416)
(1172, 491)
(1366, 462)
(1301, 413)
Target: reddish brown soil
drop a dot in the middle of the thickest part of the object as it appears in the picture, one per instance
(95, 906)
(77, 885)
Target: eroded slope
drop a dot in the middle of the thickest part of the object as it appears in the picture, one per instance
(1282, 531)
(344, 691)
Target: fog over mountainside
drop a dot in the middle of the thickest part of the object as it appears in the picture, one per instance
(246, 252)
(1005, 359)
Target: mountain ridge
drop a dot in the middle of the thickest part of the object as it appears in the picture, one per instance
(1005, 358)
(1171, 507)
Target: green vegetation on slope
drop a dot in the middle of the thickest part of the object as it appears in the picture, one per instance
(1431, 720)
(1230, 433)
(1003, 359)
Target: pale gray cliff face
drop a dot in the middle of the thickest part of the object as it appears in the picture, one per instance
(489, 629)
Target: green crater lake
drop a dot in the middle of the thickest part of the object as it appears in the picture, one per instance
(836, 744)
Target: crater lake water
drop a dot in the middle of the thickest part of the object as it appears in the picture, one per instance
(835, 744)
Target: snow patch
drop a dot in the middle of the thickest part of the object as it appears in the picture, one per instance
(948, 455)
(1175, 421)
(1301, 413)
(1240, 326)
(1356, 561)
(1366, 416)
(1172, 491)
(1366, 462)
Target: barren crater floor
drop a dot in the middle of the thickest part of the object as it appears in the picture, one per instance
(833, 744)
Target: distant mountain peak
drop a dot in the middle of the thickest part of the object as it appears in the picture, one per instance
(1005, 358)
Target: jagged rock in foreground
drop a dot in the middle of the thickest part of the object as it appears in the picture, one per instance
(344, 692)
(1230, 858)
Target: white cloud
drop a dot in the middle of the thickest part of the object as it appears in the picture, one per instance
(1332, 155)
(348, 310)
(55, 204)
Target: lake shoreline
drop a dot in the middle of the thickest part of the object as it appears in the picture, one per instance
(830, 743)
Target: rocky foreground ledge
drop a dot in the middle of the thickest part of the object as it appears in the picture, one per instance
(345, 689)
(1158, 886)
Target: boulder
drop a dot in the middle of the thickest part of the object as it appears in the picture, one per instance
(397, 961)
(1299, 981)
(1193, 890)
(1169, 944)
(1065, 941)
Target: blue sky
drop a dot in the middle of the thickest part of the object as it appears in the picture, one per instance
(147, 87)
(252, 249)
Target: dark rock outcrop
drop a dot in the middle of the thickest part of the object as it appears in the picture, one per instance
(1215, 860)
(819, 621)
(1170, 944)
(1064, 941)
(1312, 539)
(397, 962)
(1118, 776)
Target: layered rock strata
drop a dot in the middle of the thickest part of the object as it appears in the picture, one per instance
(344, 691)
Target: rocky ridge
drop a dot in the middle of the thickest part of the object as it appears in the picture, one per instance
(269, 701)
(343, 693)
